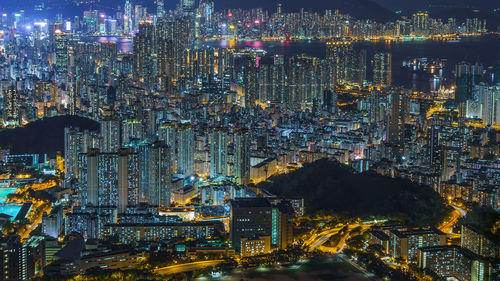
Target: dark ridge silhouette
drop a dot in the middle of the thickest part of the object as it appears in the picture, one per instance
(331, 187)
(431, 5)
(44, 136)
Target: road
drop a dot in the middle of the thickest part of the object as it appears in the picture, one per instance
(357, 266)
(186, 267)
(317, 240)
(456, 215)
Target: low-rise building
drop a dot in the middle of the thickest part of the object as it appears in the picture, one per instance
(127, 233)
(255, 246)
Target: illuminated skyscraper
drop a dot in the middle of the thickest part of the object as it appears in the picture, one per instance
(218, 152)
(11, 106)
(242, 156)
(75, 143)
(420, 23)
(160, 10)
(132, 129)
(167, 133)
(330, 102)
(466, 77)
(357, 68)
(185, 152)
(382, 69)
(187, 4)
(250, 81)
(160, 175)
(340, 53)
(128, 180)
(140, 15)
(478, 243)
(109, 179)
(398, 116)
(487, 100)
(110, 133)
(144, 55)
(62, 42)
(127, 18)
(165, 54)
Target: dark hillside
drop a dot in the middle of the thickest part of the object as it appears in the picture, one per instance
(332, 187)
(43, 136)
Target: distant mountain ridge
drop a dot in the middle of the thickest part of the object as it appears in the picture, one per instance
(424, 5)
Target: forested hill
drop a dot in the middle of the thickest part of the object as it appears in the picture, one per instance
(43, 136)
(332, 187)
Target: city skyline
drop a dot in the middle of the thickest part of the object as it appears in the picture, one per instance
(267, 140)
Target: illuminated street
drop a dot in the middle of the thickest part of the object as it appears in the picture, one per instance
(175, 269)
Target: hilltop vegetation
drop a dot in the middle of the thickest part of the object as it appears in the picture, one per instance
(44, 135)
(331, 187)
(486, 220)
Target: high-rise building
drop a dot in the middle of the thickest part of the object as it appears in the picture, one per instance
(382, 69)
(165, 45)
(11, 261)
(160, 175)
(144, 55)
(455, 262)
(405, 243)
(398, 116)
(218, 152)
(127, 18)
(160, 9)
(88, 182)
(478, 242)
(340, 53)
(250, 81)
(109, 179)
(242, 156)
(61, 50)
(357, 68)
(110, 133)
(76, 142)
(420, 23)
(486, 102)
(11, 104)
(132, 129)
(185, 149)
(128, 180)
(140, 15)
(330, 101)
(167, 133)
(187, 5)
(496, 72)
(466, 77)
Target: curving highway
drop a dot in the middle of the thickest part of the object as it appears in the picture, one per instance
(186, 267)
